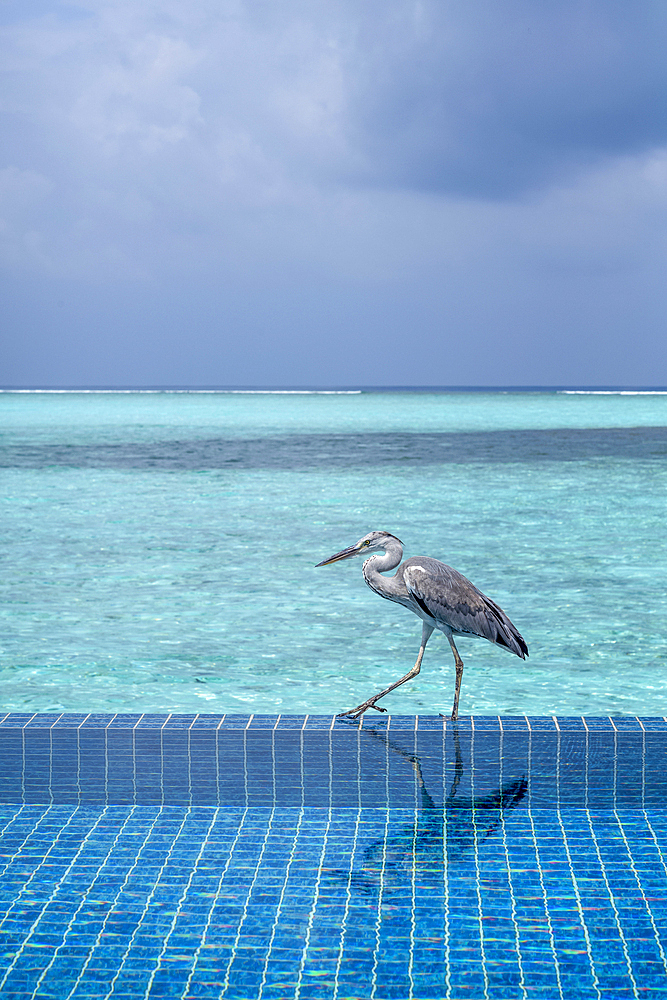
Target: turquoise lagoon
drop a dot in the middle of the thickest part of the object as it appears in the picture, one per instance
(159, 548)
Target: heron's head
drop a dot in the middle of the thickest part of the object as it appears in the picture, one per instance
(374, 541)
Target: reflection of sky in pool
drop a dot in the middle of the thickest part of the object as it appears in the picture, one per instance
(306, 857)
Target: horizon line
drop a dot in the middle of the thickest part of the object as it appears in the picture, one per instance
(333, 390)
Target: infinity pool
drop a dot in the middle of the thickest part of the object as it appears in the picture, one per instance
(304, 857)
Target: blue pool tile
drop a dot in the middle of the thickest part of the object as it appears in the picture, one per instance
(490, 723)
(235, 722)
(96, 720)
(656, 724)
(16, 720)
(263, 722)
(291, 722)
(70, 720)
(44, 720)
(626, 723)
(373, 723)
(348, 725)
(402, 722)
(594, 723)
(211, 990)
(511, 723)
(568, 723)
(208, 722)
(430, 723)
(464, 723)
(179, 721)
(128, 721)
(149, 720)
(542, 724)
(318, 723)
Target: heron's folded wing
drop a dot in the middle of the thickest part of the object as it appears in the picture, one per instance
(451, 599)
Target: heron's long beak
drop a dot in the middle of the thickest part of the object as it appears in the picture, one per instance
(351, 550)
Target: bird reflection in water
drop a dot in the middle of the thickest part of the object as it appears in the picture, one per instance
(439, 836)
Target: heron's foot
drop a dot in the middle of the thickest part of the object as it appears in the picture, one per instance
(355, 713)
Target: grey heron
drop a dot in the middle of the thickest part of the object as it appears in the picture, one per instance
(441, 596)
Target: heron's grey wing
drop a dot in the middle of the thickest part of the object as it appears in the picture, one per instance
(451, 599)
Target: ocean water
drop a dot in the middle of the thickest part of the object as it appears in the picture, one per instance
(159, 549)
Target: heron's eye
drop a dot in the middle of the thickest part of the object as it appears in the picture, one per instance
(367, 542)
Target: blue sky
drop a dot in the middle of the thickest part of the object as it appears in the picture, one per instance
(299, 193)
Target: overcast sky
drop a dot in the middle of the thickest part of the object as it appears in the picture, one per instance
(458, 192)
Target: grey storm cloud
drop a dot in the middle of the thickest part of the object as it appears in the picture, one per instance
(490, 99)
(259, 192)
(477, 99)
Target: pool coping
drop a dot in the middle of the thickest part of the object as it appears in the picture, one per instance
(324, 761)
(311, 723)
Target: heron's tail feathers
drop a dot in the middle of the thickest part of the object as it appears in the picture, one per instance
(505, 633)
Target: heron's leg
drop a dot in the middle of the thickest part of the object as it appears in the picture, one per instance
(459, 674)
(360, 709)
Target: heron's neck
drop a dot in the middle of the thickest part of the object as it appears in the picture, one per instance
(381, 564)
